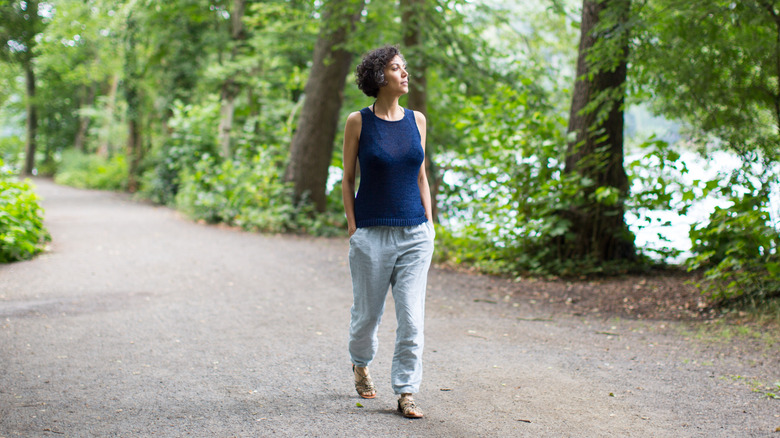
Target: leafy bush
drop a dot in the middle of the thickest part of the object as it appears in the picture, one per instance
(738, 247)
(12, 150)
(92, 171)
(22, 234)
(250, 194)
(505, 193)
(193, 135)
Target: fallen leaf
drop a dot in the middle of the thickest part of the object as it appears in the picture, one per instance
(445, 389)
(358, 405)
(608, 333)
(611, 394)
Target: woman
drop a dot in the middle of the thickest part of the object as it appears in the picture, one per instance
(390, 224)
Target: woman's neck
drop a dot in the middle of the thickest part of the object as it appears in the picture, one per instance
(388, 108)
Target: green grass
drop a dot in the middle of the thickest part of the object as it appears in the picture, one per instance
(769, 391)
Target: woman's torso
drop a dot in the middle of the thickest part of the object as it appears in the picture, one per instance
(390, 155)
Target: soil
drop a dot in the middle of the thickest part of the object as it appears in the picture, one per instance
(663, 296)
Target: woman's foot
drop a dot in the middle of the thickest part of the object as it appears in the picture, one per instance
(363, 383)
(408, 408)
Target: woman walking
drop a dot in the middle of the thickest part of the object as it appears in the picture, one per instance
(390, 224)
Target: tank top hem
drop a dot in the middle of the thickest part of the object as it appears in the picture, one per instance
(390, 222)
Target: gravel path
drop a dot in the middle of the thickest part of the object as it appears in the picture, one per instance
(138, 322)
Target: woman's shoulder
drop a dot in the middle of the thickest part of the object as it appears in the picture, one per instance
(354, 125)
(355, 117)
(419, 118)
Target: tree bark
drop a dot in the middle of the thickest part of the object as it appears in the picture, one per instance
(312, 144)
(104, 146)
(230, 88)
(776, 96)
(134, 152)
(30, 144)
(413, 18)
(83, 122)
(133, 99)
(596, 153)
(31, 30)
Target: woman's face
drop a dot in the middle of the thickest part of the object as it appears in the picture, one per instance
(396, 76)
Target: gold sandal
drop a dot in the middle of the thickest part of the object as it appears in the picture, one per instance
(408, 408)
(364, 385)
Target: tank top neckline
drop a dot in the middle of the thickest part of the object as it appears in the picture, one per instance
(387, 121)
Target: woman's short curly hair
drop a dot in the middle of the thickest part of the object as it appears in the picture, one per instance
(370, 73)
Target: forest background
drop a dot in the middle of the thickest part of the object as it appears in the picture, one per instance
(559, 131)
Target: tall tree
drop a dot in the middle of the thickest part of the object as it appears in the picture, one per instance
(413, 13)
(231, 87)
(312, 144)
(595, 153)
(18, 28)
(133, 76)
(86, 99)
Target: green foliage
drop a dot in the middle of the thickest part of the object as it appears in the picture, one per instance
(722, 78)
(505, 189)
(248, 193)
(193, 134)
(11, 150)
(658, 184)
(92, 171)
(22, 233)
(18, 29)
(723, 82)
(738, 247)
(499, 80)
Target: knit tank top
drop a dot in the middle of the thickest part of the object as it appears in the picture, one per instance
(390, 155)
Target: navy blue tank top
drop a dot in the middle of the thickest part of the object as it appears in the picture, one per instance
(390, 155)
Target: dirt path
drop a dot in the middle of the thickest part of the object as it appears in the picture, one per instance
(141, 323)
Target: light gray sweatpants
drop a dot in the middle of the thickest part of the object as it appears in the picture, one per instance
(397, 258)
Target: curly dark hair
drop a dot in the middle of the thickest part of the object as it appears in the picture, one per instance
(370, 73)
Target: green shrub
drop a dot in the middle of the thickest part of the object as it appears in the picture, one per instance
(12, 150)
(738, 251)
(92, 171)
(249, 193)
(22, 234)
(193, 135)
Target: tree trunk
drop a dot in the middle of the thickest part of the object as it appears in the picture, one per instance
(596, 153)
(83, 122)
(134, 137)
(413, 18)
(31, 28)
(312, 143)
(776, 96)
(32, 119)
(104, 146)
(133, 99)
(230, 88)
(226, 110)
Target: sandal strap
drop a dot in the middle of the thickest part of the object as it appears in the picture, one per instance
(363, 384)
(407, 404)
(408, 407)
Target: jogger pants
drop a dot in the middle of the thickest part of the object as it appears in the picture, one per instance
(397, 258)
